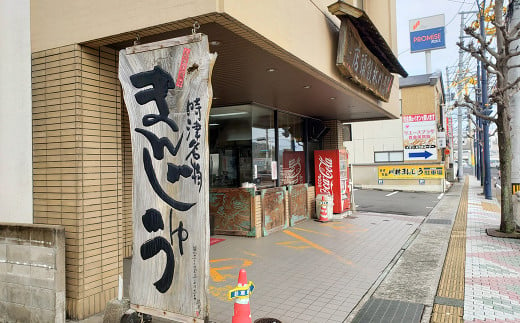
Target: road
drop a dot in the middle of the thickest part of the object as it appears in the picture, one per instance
(396, 202)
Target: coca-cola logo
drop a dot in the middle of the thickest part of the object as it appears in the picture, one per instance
(293, 174)
(325, 175)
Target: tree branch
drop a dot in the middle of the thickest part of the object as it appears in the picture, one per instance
(472, 105)
(479, 55)
(484, 46)
(473, 122)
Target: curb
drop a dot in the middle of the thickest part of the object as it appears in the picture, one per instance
(427, 246)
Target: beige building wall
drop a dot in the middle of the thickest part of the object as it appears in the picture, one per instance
(78, 180)
(418, 100)
(128, 231)
(368, 137)
(56, 23)
(15, 113)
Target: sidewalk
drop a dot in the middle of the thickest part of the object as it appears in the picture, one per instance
(374, 267)
(480, 280)
(492, 286)
(408, 291)
(313, 272)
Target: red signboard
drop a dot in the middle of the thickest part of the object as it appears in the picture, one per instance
(293, 171)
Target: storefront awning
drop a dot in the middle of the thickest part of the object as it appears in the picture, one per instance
(250, 68)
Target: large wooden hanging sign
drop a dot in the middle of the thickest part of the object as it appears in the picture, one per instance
(356, 62)
(167, 92)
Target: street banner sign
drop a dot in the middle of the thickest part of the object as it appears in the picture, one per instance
(420, 137)
(427, 33)
(410, 172)
(167, 93)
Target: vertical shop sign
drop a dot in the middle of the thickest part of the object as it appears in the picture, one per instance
(356, 62)
(293, 170)
(420, 137)
(168, 122)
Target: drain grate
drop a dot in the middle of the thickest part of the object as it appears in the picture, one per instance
(383, 310)
(438, 221)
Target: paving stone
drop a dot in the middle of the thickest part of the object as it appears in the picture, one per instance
(320, 281)
(492, 265)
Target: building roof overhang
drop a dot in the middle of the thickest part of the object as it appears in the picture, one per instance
(242, 74)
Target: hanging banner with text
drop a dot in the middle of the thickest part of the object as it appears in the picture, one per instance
(411, 172)
(167, 93)
(420, 137)
(356, 61)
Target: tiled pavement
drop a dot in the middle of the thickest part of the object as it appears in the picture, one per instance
(313, 272)
(317, 272)
(492, 287)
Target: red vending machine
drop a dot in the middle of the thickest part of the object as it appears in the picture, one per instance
(332, 177)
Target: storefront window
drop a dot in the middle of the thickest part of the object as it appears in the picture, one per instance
(291, 149)
(263, 141)
(242, 142)
(230, 146)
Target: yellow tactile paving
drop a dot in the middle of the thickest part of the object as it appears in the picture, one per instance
(447, 314)
(451, 285)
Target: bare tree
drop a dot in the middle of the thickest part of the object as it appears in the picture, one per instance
(497, 61)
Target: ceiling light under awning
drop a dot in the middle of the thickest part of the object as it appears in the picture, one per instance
(230, 114)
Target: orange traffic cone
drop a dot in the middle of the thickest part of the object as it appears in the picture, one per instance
(242, 311)
(323, 210)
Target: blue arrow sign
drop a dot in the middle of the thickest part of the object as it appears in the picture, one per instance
(426, 154)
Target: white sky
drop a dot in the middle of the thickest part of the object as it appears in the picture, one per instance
(415, 64)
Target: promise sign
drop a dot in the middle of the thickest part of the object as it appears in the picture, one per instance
(356, 62)
(427, 33)
(167, 93)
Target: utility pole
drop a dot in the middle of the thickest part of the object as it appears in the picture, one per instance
(486, 110)
(460, 145)
(450, 124)
(477, 128)
(428, 56)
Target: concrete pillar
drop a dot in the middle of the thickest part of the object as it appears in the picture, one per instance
(15, 112)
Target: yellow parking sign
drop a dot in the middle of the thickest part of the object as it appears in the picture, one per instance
(411, 172)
